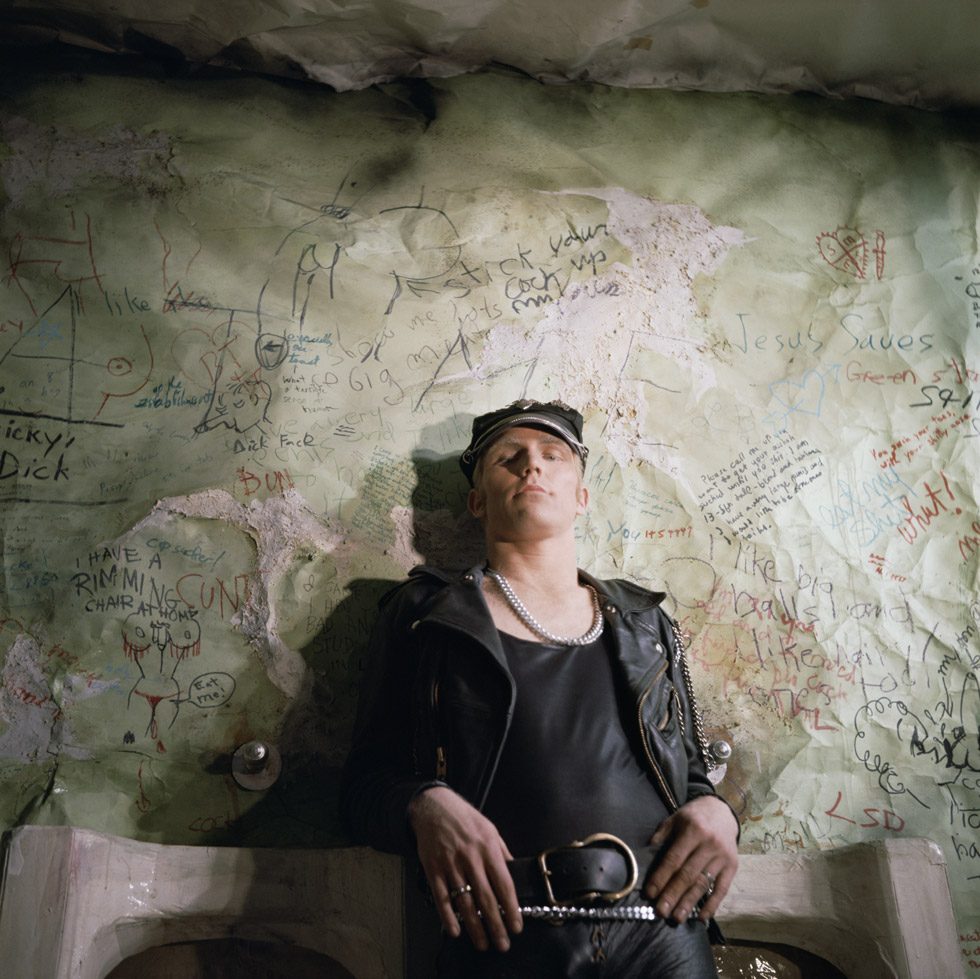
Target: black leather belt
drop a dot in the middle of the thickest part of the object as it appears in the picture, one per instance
(599, 868)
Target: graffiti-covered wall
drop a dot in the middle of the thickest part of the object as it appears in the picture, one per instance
(244, 328)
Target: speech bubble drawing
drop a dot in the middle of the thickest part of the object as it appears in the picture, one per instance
(211, 689)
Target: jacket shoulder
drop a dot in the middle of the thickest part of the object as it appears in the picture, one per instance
(630, 595)
(421, 585)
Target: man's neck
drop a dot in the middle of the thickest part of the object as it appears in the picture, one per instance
(546, 567)
(545, 579)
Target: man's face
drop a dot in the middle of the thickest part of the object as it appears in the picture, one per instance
(528, 485)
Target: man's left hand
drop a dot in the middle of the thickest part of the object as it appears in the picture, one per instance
(700, 855)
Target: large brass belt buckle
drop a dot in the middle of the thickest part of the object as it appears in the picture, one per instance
(616, 843)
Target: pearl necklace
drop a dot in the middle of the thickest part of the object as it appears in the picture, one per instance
(521, 611)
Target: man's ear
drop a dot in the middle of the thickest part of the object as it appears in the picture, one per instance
(583, 499)
(476, 504)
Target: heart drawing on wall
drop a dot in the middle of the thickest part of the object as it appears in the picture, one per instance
(805, 396)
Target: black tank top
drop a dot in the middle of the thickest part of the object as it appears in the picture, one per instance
(569, 768)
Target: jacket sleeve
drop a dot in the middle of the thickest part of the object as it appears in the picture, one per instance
(698, 783)
(380, 777)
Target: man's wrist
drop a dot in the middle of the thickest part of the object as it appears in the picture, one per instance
(416, 800)
(724, 802)
(728, 806)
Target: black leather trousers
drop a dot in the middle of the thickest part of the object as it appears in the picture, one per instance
(582, 949)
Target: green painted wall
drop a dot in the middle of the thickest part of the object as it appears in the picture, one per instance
(244, 328)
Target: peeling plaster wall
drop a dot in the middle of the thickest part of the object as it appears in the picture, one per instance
(898, 51)
(244, 329)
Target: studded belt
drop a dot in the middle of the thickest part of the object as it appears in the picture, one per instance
(601, 869)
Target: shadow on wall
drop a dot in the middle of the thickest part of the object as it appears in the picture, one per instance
(300, 808)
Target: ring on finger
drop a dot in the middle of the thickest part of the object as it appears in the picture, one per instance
(458, 891)
(710, 878)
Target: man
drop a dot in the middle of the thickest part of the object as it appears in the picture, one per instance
(524, 706)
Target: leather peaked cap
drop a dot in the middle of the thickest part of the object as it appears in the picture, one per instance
(550, 416)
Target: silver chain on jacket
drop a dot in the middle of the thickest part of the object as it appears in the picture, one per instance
(709, 762)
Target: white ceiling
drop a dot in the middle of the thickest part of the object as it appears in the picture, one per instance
(915, 52)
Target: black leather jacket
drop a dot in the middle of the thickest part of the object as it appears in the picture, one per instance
(438, 698)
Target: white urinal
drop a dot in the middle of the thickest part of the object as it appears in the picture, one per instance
(74, 904)
(873, 910)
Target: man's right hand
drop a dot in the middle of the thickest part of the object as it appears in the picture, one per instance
(459, 846)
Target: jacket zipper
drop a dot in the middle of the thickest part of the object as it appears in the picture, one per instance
(441, 766)
(654, 767)
(441, 755)
(680, 713)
